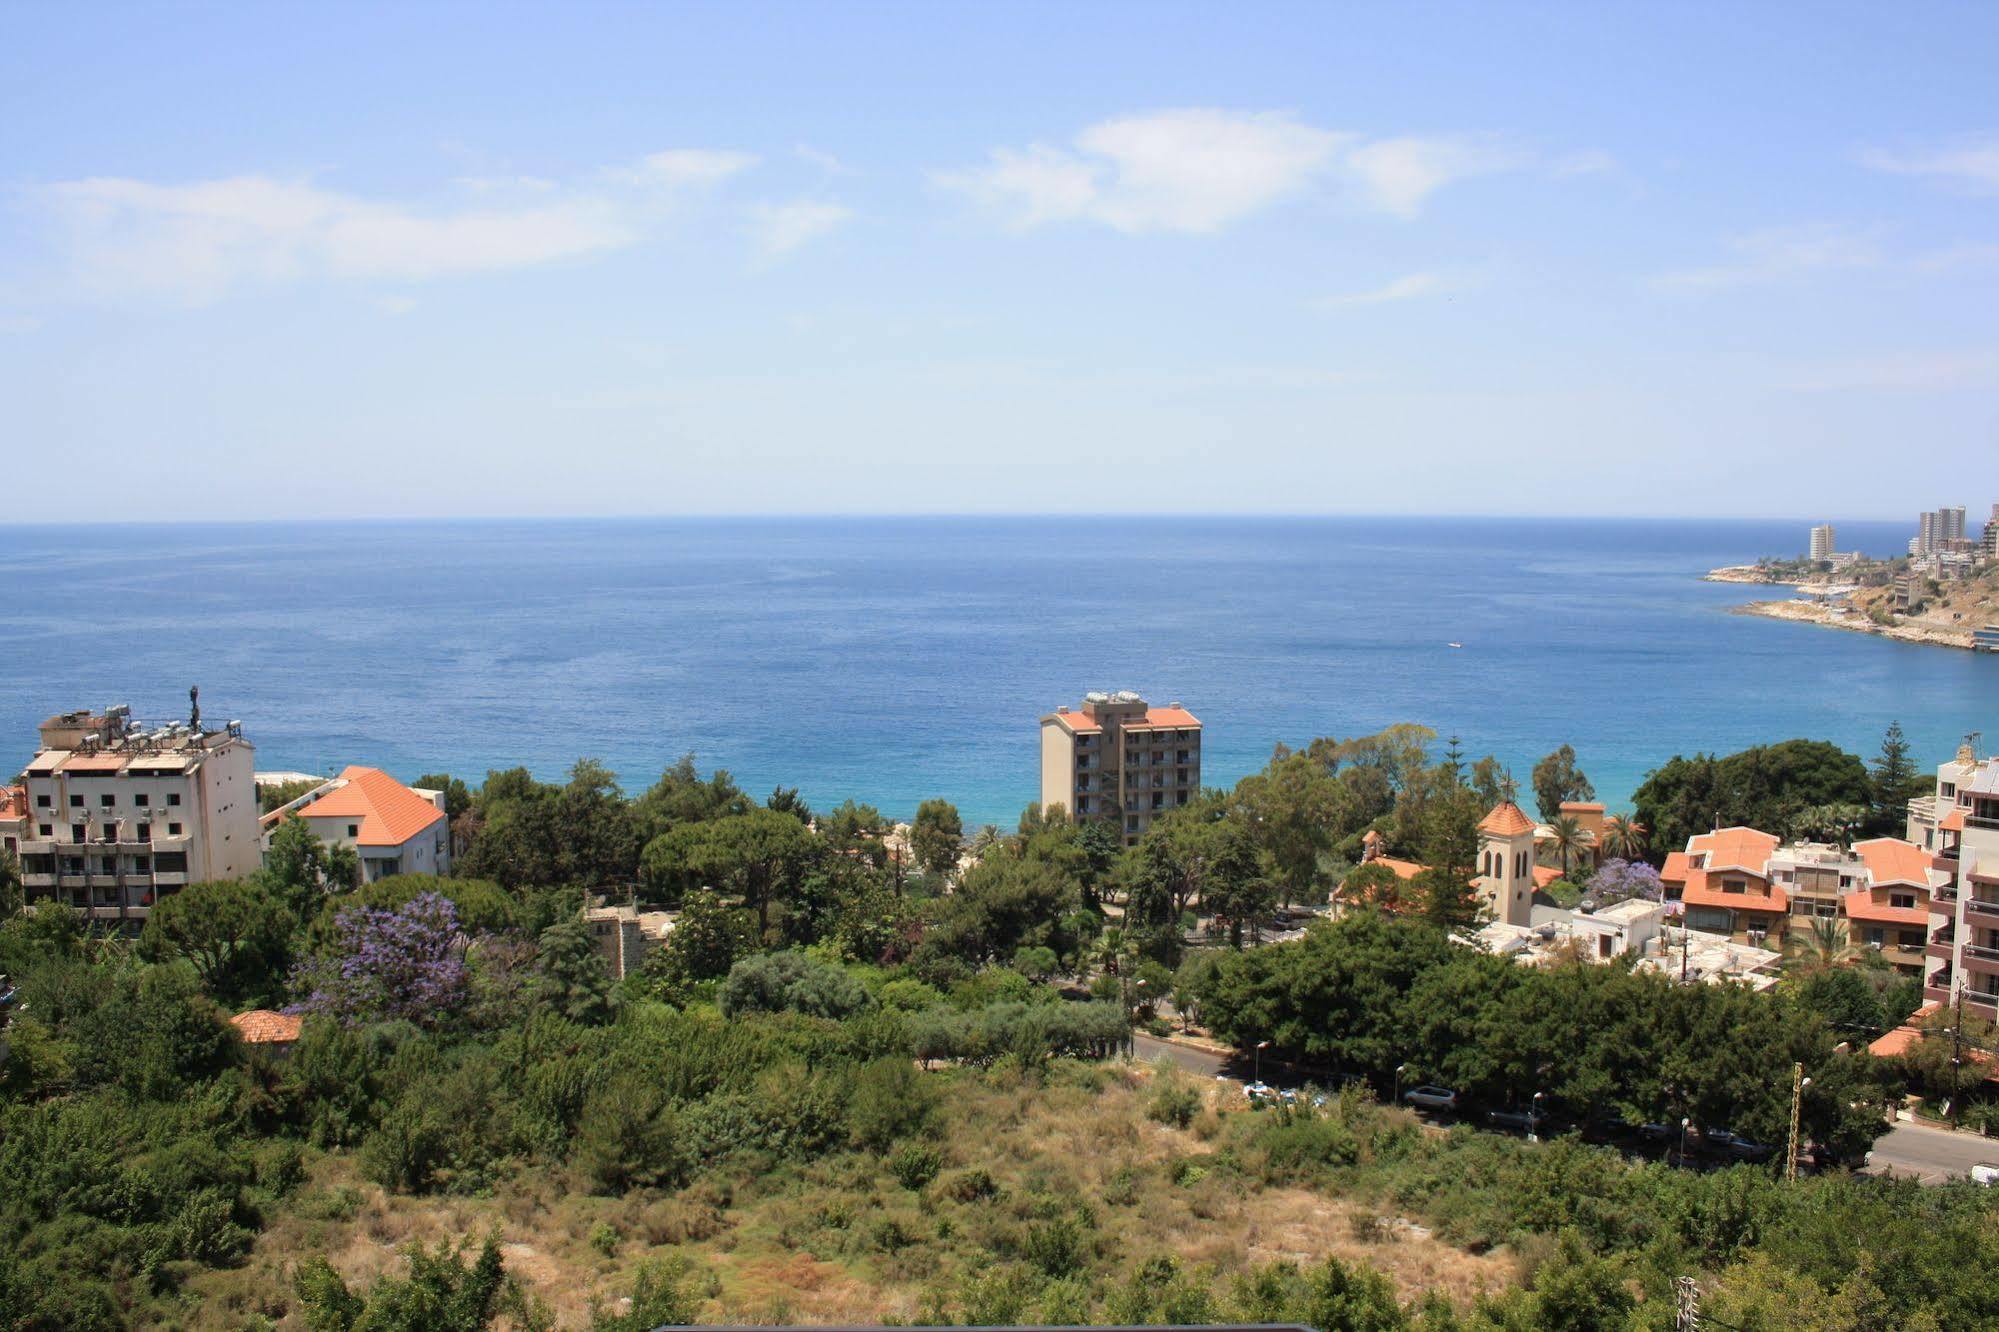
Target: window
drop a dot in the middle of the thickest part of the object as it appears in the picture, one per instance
(173, 797)
(106, 800)
(142, 800)
(142, 864)
(145, 832)
(173, 830)
(42, 801)
(46, 830)
(353, 830)
(1082, 804)
(76, 802)
(1902, 901)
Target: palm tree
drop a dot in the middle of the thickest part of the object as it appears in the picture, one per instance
(1827, 946)
(1624, 837)
(1568, 839)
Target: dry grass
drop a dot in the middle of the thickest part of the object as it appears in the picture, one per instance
(838, 1240)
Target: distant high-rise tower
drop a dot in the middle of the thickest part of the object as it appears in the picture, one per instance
(1929, 531)
(1822, 542)
(1952, 522)
(1118, 758)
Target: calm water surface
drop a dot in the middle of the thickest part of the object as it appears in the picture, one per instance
(892, 660)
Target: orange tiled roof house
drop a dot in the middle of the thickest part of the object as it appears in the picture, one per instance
(395, 829)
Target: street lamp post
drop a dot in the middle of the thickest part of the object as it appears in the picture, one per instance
(1685, 1124)
(1256, 1068)
(1534, 1118)
(1400, 1069)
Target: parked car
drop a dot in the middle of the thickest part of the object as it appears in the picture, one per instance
(1440, 1099)
(1517, 1121)
(1737, 1147)
(1985, 1174)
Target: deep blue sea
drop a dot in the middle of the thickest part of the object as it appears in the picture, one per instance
(895, 659)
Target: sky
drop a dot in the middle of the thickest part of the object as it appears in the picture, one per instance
(340, 261)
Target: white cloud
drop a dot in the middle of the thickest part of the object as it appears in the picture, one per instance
(781, 228)
(1917, 371)
(1783, 252)
(825, 161)
(1191, 170)
(1970, 162)
(1198, 170)
(1399, 175)
(201, 240)
(1404, 288)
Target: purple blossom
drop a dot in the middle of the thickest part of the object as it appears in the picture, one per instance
(1620, 880)
(385, 965)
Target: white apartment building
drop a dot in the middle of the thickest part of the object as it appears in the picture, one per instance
(1823, 542)
(117, 814)
(1959, 824)
(394, 829)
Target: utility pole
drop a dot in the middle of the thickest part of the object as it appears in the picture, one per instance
(1798, 1081)
(1957, 1053)
(1688, 1306)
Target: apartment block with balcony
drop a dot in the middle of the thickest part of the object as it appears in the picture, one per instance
(1959, 826)
(118, 814)
(1116, 757)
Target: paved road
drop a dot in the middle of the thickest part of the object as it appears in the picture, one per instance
(1931, 1155)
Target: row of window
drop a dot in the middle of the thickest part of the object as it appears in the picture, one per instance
(80, 832)
(106, 800)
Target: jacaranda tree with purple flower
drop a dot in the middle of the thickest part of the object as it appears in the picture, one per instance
(1620, 880)
(386, 965)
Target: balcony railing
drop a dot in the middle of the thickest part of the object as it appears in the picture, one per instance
(1979, 906)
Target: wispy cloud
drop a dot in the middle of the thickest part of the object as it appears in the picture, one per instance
(1198, 170)
(1910, 371)
(1190, 170)
(782, 228)
(1399, 175)
(1408, 287)
(1777, 253)
(825, 161)
(1970, 162)
(200, 240)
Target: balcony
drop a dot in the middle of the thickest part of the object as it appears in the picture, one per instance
(1944, 948)
(1979, 907)
(1983, 961)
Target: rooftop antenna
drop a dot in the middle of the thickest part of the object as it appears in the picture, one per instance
(194, 707)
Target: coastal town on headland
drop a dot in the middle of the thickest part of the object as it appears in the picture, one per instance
(1944, 592)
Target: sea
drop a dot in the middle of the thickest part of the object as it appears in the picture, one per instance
(889, 660)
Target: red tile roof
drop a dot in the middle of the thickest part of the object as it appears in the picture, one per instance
(1076, 722)
(1735, 848)
(1545, 875)
(1675, 869)
(1953, 821)
(1892, 860)
(262, 1026)
(1583, 806)
(1506, 820)
(389, 813)
(13, 802)
(1759, 896)
(1171, 717)
(1860, 904)
(1404, 869)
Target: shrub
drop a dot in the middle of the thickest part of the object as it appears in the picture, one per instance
(968, 1186)
(915, 1164)
(630, 1135)
(890, 1101)
(779, 982)
(1174, 1103)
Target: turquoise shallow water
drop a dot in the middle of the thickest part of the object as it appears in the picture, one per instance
(895, 659)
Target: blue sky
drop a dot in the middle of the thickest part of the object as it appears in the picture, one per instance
(289, 261)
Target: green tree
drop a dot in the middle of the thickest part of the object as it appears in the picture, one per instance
(302, 866)
(569, 974)
(937, 836)
(1557, 779)
(1623, 838)
(682, 796)
(236, 934)
(1373, 884)
(758, 855)
(705, 941)
(1568, 840)
(1296, 812)
(786, 800)
(457, 795)
(1895, 783)
(441, 1293)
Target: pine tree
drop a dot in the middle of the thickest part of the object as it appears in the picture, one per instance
(1895, 780)
(570, 976)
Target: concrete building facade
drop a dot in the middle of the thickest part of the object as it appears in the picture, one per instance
(1823, 543)
(1959, 825)
(1116, 757)
(117, 815)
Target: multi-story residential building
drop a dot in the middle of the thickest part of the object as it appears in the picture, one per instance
(1822, 546)
(1747, 886)
(395, 829)
(119, 814)
(13, 818)
(1724, 882)
(1118, 758)
(1950, 522)
(1959, 826)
